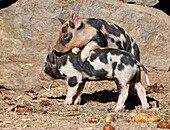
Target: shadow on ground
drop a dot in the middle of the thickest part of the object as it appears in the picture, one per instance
(106, 96)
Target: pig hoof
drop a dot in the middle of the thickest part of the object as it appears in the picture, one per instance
(77, 101)
(75, 50)
(146, 106)
(84, 55)
(118, 109)
(83, 60)
(67, 102)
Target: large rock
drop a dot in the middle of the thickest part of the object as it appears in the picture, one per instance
(29, 26)
(143, 2)
(148, 26)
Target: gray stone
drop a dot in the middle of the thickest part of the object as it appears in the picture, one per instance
(143, 2)
(28, 27)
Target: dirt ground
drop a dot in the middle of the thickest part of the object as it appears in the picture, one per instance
(45, 109)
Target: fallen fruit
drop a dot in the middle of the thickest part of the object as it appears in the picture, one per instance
(163, 124)
(24, 112)
(94, 120)
(146, 118)
(108, 127)
(109, 118)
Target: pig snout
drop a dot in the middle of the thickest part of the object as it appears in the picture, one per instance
(58, 48)
(42, 75)
(61, 49)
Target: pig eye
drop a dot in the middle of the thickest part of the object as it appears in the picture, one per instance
(67, 36)
(64, 30)
(45, 64)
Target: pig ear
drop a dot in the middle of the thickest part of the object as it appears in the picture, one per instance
(61, 20)
(50, 50)
(76, 20)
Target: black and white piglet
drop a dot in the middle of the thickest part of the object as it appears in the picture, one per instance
(111, 64)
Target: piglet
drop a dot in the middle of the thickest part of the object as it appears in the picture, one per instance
(102, 64)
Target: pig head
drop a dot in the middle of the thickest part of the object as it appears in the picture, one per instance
(51, 64)
(92, 33)
(73, 34)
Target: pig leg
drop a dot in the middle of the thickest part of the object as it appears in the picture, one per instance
(73, 85)
(71, 92)
(123, 93)
(77, 99)
(86, 51)
(75, 50)
(142, 95)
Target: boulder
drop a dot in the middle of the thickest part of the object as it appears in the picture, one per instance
(29, 26)
(143, 2)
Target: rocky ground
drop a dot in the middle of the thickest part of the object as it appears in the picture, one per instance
(27, 27)
(45, 109)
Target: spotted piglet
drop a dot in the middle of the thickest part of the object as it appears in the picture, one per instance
(102, 64)
(93, 33)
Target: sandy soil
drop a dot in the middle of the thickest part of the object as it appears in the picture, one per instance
(45, 109)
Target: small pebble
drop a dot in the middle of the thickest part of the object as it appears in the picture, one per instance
(72, 108)
(6, 98)
(44, 103)
(163, 125)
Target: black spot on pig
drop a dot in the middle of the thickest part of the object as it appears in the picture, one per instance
(112, 40)
(101, 74)
(64, 29)
(82, 26)
(100, 39)
(98, 23)
(71, 25)
(118, 43)
(113, 29)
(103, 58)
(114, 64)
(127, 45)
(137, 77)
(93, 57)
(94, 23)
(81, 66)
(66, 38)
(127, 60)
(86, 67)
(107, 37)
(72, 81)
(136, 51)
(120, 67)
